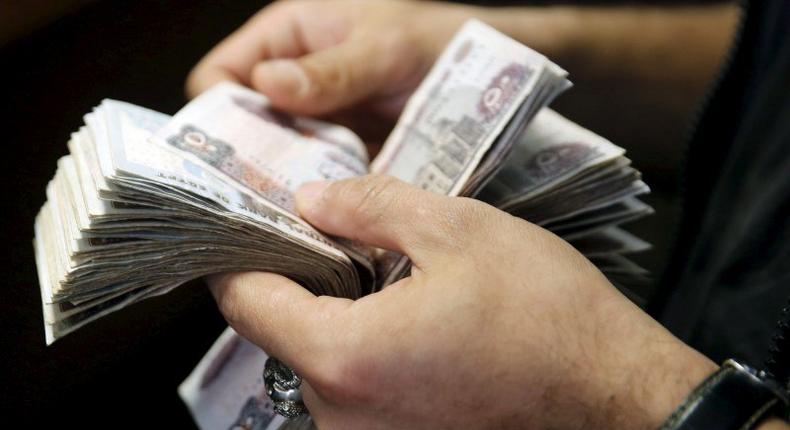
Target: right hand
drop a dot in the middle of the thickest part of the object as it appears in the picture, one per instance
(500, 325)
(354, 61)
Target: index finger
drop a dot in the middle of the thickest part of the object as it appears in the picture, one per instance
(270, 33)
(277, 314)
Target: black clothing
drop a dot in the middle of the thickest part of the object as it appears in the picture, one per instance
(730, 274)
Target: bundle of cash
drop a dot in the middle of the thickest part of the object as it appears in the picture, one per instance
(145, 202)
(132, 213)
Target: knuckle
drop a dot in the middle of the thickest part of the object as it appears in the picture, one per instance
(327, 77)
(466, 221)
(370, 197)
(471, 213)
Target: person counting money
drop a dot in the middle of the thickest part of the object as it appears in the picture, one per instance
(501, 324)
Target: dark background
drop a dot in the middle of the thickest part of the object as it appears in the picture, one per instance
(123, 372)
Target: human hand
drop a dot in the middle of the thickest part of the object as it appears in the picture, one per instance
(500, 325)
(354, 60)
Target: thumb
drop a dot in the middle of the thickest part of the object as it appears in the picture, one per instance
(323, 81)
(388, 213)
(277, 314)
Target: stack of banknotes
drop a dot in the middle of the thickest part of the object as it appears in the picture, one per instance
(145, 202)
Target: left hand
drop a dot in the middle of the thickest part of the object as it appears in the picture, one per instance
(500, 325)
(355, 62)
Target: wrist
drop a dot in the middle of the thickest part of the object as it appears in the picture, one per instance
(625, 370)
(645, 372)
(735, 396)
(664, 382)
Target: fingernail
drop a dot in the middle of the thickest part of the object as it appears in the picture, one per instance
(310, 195)
(285, 75)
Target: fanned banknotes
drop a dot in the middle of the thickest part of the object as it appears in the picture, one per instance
(145, 202)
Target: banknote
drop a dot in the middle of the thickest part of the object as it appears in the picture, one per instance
(129, 217)
(550, 152)
(226, 390)
(470, 96)
(609, 240)
(479, 95)
(145, 201)
(234, 131)
(561, 176)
